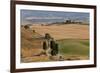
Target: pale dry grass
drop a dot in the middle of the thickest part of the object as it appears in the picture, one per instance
(33, 55)
(29, 52)
(68, 31)
(35, 59)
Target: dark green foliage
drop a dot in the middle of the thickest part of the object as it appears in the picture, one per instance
(54, 51)
(44, 46)
(56, 48)
(52, 44)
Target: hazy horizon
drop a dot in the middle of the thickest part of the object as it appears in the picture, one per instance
(40, 16)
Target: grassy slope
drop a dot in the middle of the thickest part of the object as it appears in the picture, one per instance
(74, 47)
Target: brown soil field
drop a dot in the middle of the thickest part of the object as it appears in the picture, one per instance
(68, 31)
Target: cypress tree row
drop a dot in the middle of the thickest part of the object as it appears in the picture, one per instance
(50, 43)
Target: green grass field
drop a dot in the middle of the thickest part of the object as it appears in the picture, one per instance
(74, 47)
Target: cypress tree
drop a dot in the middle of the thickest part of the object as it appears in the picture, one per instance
(52, 44)
(54, 51)
(44, 46)
(56, 48)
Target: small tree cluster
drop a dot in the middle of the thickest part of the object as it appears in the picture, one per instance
(26, 27)
(50, 43)
(68, 21)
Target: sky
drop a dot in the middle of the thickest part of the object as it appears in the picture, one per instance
(38, 16)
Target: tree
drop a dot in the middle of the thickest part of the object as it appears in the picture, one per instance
(52, 44)
(54, 51)
(47, 36)
(68, 21)
(26, 27)
(56, 48)
(44, 46)
(33, 31)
